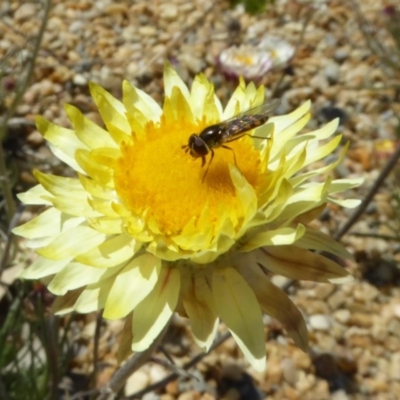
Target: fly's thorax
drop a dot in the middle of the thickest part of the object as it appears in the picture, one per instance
(213, 135)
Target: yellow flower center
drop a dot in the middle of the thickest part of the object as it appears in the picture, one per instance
(157, 179)
(247, 60)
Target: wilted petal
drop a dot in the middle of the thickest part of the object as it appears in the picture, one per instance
(124, 348)
(65, 304)
(317, 240)
(296, 263)
(277, 304)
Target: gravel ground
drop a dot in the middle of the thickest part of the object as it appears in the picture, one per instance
(354, 328)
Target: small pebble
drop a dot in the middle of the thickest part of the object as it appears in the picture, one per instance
(80, 80)
(332, 72)
(320, 322)
(168, 11)
(342, 316)
(26, 11)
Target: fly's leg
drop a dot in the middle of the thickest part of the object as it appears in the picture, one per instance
(208, 166)
(233, 152)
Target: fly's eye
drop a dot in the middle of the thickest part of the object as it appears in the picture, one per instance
(198, 147)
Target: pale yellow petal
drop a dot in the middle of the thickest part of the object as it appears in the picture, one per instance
(245, 194)
(340, 185)
(102, 173)
(39, 242)
(275, 237)
(109, 226)
(112, 112)
(203, 98)
(111, 252)
(133, 283)
(300, 178)
(320, 134)
(281, 122)
(63, 142)
(322, 151)
(102, 208)
(154, 312)
(345, 203)
(254, 96)
(68, 205)
(94, 297)
(96, 189)
(197, 233)
(62, 186)
(140, 100)
(236, 102)
(198, 303)
(87, 131)
(172, 79)
(238, 308)
(181, 109)
(71, 243)
(283, 138)
(43, 267)
(305, 200)
(37, 195)
(65, 158)
(50, 222)
(76, 275)
(140, 109)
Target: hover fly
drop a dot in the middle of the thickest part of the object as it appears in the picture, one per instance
(214, 136)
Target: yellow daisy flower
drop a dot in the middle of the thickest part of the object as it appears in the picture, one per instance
(140, 233)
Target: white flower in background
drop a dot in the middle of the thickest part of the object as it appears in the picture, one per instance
(279, 50)
(246, 61)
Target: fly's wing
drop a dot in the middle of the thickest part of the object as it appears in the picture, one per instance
(237, 126)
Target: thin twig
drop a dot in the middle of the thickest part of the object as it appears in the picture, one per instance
(6, 251)
(372, 192)
(172, 367)
(50, 331)
(96, 346)
(376, 236)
